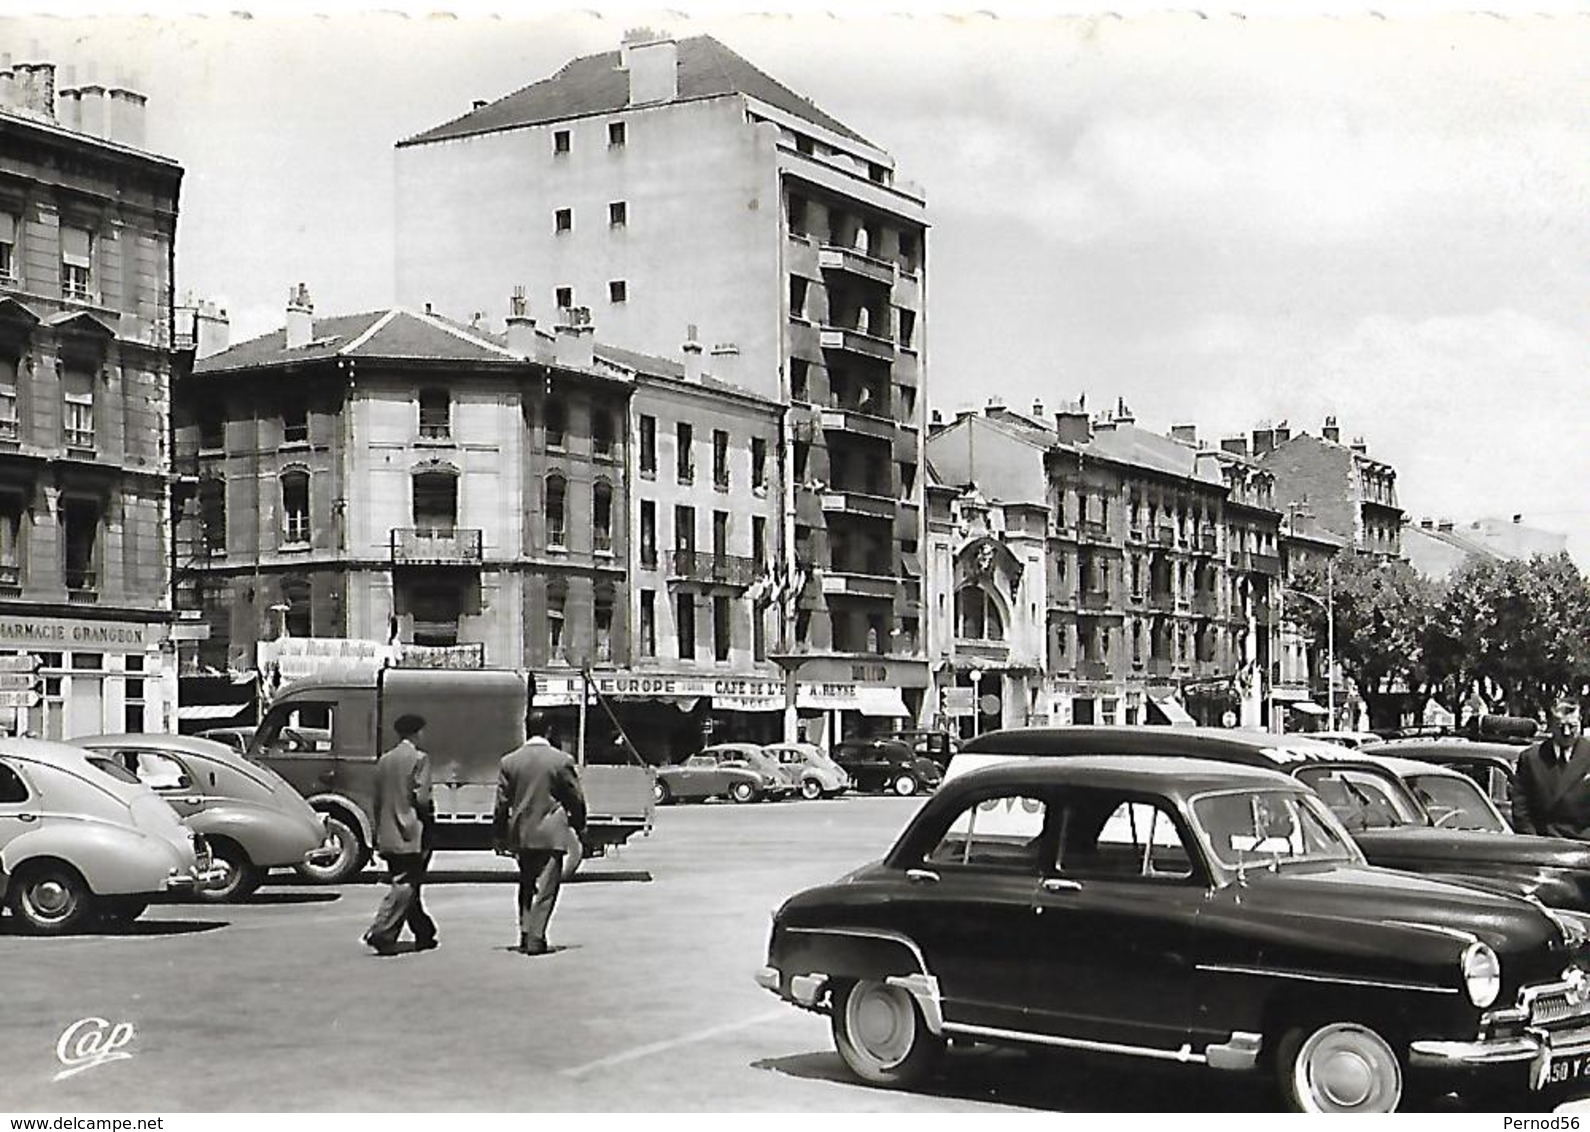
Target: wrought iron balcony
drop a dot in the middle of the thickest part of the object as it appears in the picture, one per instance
(436, 546)
(975, 649)
(1094, 599)
(1093, 530)
(1162, 600)
(712, 569)
(1164, 534)
(1204, 542)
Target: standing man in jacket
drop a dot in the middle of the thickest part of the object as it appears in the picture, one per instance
(403, 818)
(1551, 795)
(540, 806)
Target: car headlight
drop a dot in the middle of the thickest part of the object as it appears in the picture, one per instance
(1482, 974)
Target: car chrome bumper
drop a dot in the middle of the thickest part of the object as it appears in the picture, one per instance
(803, 989)
(181, 882)
(324, 853)
(1538, 1048)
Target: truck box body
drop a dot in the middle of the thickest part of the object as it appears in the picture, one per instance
(324, 737)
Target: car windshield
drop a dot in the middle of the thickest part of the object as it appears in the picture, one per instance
(1268, 827)
(1454, 802)
(1364, 797)
(113, 768)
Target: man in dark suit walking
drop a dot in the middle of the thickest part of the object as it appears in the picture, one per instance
(1551, 795)
(540, 806)
(403, 817)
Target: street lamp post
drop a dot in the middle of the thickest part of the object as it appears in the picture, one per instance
(976, 676)
(1329, 607)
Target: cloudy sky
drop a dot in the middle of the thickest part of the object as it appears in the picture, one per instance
(1221, 219)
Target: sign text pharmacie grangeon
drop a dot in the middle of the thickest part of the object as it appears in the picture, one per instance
(70, 632)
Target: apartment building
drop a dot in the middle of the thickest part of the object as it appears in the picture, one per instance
(1349, 494)
(88, 221)
(672, 184)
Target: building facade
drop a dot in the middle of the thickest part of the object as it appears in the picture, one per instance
(1346, 492)
(87, 234)
(672, 184)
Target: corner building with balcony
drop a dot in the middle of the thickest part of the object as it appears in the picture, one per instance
(397, 478)
(672, 184)
(88, 224)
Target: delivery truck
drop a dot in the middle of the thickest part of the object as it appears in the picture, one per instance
(324, 735)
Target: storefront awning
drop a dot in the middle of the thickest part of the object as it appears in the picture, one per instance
(1307, 707)
(1170, 707)
(210, 711)
(882, 702)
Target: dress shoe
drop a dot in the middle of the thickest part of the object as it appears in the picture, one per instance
(380, 947)
(430, 944)
(528, 946)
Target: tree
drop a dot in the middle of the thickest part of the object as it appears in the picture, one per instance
(1381, 609)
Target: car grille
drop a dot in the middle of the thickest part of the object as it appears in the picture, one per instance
(1551, 1004)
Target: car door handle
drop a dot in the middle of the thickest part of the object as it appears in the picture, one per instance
(921, 876)
(27, 817)
(1060, 884)
(194, 799)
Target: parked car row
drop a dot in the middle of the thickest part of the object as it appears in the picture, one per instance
(1212, 898)
(746, 772)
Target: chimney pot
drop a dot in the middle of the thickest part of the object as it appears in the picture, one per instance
(575, 346)
(300, 318)
(693, 351)
(478, 104)
(652, 62)
(1186, 433)
(1237, 445)
(1518, 518)
(521, 327)
(1072, 425)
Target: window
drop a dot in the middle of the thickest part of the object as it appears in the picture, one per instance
(602, 518)
(758, 464)
(720, 534)
(563, 220)
(564, 297)
(8, 248)
(435, 503)
(648, 533)
(648, 622)
(685, 529)
(78, 421)
(77, 263)
(685, 623)
(759, 541)
(797, 214)
(436, 614)
(212, 514)
(80, 518)
(617, 214)
(908, 252)
(295, 421)
(602, 622)
(560, 142)
(557, 424)
(1263, 827)
(11, 513)
(298, 621)
(648, 446)
(212, 428)
(617, 291)
(721, 627)
(720, 458)
(1134, 840)
(9, 422)
(436, 414)
(295, 506)
(557, 601)
(906, 323)
(685, 459)
(799, 371)
(977, 617)
(557, 493)
(616, 134)
(308, 728)
(12, 789)
(805, 145)
(602, 434)
(797, 297)
(1004, 832)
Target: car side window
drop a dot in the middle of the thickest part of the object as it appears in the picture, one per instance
(1136, 839)
(1002, 832)
(305, 730)
(12, 789)
(156, 770)
(701, 760)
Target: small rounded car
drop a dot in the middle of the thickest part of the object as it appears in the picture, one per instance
(819, 776)
(1451, 798)
(78, 843)
(887, 765)
(720, 772)
(252, 819)
(1184, 910)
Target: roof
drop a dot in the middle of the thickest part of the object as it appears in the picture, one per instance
(594, 84)
(1138, 446)
(670, 370)
(392, 334)
(1173, 776)
(1257, 748)
(188, 744)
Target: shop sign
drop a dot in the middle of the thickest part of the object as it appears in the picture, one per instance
(63, 634)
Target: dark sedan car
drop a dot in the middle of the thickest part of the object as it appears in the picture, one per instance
(1386, 820)
(1181, 910)
(1492, 765)
(887, 764)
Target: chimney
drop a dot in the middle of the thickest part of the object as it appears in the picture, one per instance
(692, 351)
(725, 361)
(93, 110)
(521, 327)
(1330, 432)
(478, 104)
(1359, 446)
(1517, 519)
(36, 88)
(1123, 414)
(1237, 445)
(300, 318)
(1072, 426)
(1185, 433)
(1444, 525)
(1427, 524)
(995, 403)
(936, 423)
(1037, 410)
(652, 61)
(69, 101)
(576, 340)
(126, 109)
(1283, 433)
(212, 330)
(1263, 440)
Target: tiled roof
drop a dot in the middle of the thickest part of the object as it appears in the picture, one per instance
(389, 334)
(1132, 445)
(593, 84)
(654, 366)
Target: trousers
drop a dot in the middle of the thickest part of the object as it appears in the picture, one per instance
(404, 902)
(540, 878)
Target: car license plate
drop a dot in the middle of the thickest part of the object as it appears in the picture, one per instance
(1568, 1070)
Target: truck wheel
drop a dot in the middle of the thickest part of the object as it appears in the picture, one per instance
(242, 877)
(50, 899)
(905, 785)
(812, 789)
(880, 1035)
(351, 857)
(743, 792)
(1339, 1067)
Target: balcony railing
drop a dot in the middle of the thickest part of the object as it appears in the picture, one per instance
(859, 423)
(976, 649)
(1240, 560)
(857, 342)
(82, 585)
(1094, 599)
(1093, 530)
(436, 546)
(1206, 605)
(710, 568)
(1092, 670)
(837, 580)
(835, 258)
(1160, 666)
(1161, 600)
(859, 503)
(1266, 564)
(1204, 542)
(1165, 534)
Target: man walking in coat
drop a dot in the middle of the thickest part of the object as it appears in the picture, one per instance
(1551, 796)
(403, 817)
(539, 807)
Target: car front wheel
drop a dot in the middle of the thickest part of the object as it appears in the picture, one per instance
(351, 856)
(811, 789)
(743, 792)
(880, 1034)
(240, 876)
(660, 793)
(50, 899)
(1340, 1067)
(905, 785)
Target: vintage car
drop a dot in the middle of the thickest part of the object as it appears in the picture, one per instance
(1181, 910)
(1353, 739)
(1451, 798)
(78, 843)
(940, 746)
(817, 775)
(1385, 818)
(252, 819)
(720, 772)
(1491, 765)
(887, 764)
